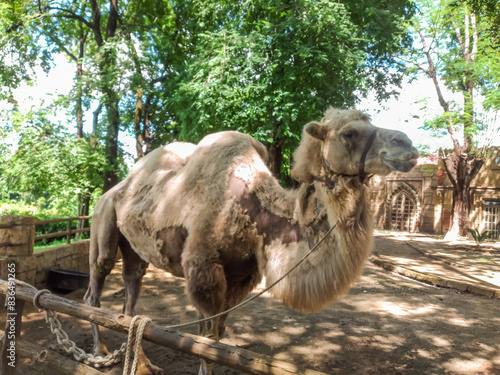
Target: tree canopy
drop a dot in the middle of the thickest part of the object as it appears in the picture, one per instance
(177, 70)
(269, 67)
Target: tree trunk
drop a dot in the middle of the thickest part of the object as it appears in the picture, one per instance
(461, 169)
(137, 124)
(79, 84)
(111, 148)
(83, 210)
(275, 149)
(276, 157)
(147, 114)
(111, 98)
(461, 211)
(146, 134)
(95, 123)
(78, 104)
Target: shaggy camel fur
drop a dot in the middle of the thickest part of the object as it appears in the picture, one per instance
(216, 216)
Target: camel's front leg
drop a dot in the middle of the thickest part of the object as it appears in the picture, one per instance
(206, 284)
(134, 269)
(208, 329)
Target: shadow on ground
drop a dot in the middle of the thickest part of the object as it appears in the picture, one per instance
(386, 325)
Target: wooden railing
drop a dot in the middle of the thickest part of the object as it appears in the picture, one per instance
(70, 231)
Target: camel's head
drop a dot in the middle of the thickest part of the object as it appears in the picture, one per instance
(346, 143)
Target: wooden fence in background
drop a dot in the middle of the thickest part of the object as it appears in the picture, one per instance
(68, 232)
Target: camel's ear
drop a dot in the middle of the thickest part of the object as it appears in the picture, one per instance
(316, 130)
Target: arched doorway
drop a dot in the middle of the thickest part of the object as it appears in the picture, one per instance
(403, 209)
(403, 212)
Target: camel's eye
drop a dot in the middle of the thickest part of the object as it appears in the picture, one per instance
(399, 142)
(349, 135)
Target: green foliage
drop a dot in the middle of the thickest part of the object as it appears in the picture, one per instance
(489, 62)
(49, 167)
(479, 237)
(54, 228)
(14, 207)
(39, 245)
(382, 32)
(19, 52)
(267, 68)
(260, 67)
(40, 211)
(429, 168)
(462, 68)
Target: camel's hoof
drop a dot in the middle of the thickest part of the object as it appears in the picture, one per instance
(145, 367)
(149, 369)
(206, 369)
(101, 350)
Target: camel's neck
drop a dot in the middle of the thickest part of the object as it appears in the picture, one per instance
(329, 271)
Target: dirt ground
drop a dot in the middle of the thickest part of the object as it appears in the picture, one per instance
(386, 325)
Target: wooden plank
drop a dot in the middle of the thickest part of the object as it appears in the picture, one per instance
(201, 347)
(60, 234)
(48, 221)
(48, 359)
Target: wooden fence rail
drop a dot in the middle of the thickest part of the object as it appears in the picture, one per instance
(202, 347)
(67, 232)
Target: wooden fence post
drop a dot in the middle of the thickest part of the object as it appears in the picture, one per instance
(68, 236)
(17, 237)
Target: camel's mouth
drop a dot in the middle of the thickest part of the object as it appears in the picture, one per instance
(399, 164)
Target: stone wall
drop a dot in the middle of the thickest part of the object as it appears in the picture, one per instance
(74, 257)
(17, 235)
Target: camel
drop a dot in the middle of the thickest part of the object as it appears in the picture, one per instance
(215, 215)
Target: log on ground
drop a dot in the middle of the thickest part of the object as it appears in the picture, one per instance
(201, 347)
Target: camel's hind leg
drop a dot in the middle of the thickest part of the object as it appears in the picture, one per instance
(103, 247)
(208, 329)
(235, 293)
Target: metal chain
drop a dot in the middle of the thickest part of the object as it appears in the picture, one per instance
(79, 354)
(64, 340)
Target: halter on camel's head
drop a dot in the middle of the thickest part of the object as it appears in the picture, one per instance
(363, 176)
(345, 145)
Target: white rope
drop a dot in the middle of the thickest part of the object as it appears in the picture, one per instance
(137, 337)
